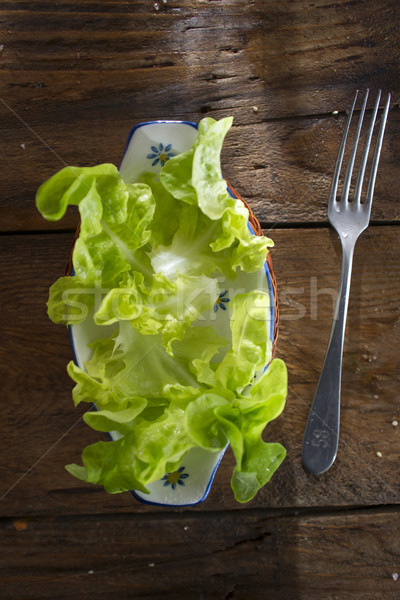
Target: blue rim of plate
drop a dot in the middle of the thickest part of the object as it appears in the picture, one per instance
(272, 327)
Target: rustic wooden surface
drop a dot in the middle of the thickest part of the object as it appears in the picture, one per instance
(75, 78)
(265, 555)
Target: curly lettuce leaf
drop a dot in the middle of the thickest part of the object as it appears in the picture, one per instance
(176, 175)
(74, 185)
(195, 176)
(204, 247)
(251, 346)
(166, 216)
(250, 349)
(244, 421)
(70, 300)
(114, 230)
(213, 234)
(168, 307)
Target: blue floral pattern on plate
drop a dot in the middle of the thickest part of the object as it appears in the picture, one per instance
(175, 478)
(160, 154)
(222, 300)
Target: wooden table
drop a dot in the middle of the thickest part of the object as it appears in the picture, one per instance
(75, 78)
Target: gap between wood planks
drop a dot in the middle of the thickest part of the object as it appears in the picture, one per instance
(264, 225)
(260, 513)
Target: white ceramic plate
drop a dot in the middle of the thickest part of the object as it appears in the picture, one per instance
(149, 146)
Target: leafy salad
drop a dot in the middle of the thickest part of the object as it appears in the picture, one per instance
(146, 266)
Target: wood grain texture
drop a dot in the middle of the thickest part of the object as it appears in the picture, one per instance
(251, 556)
(75, 77)
(206, 55)
(41, 431)
(282, 168)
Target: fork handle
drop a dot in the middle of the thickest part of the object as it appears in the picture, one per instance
(321, 436)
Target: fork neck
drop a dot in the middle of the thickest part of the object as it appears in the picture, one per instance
(342, 299)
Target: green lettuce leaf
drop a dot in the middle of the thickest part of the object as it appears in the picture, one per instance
(70, 300)
(251, 346)
(114, 231)
(168, 307)
(176, 175)
(213, 234)
(111, 420)
(244, 421)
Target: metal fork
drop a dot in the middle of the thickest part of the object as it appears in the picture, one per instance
(349, 218)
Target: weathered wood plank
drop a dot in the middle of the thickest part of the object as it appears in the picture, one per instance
(249, 556)
(282, 168)
(76, 77)
(291, 48)
(41, 431)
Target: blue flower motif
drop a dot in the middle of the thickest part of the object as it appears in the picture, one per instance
(160, 154)
(221, 301)
(175, 478)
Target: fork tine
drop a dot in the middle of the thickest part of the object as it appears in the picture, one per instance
(360, 178)
(377, 153)
(339, 160)
(349, 171)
